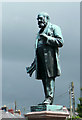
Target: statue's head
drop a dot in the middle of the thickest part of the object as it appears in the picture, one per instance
(43, 19)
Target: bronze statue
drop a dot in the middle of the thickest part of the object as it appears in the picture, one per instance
(49, 40)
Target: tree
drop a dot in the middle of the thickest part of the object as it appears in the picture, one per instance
(79, 106)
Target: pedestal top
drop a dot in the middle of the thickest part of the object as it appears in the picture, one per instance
(46, 114)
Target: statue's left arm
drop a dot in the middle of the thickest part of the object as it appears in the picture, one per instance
(56, 39)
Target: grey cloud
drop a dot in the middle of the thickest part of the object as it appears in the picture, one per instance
(19, 34)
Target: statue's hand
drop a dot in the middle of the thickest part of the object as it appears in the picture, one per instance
(48, 37)
(43, 36)
(29, 71)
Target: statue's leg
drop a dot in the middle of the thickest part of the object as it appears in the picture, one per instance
(49, 89)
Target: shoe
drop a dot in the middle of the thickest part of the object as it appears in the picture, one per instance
(47, 101)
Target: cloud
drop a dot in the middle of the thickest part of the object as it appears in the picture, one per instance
(19, 34)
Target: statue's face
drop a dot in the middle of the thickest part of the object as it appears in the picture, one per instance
(42, 21)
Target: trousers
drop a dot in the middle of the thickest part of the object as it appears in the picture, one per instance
(49, 87)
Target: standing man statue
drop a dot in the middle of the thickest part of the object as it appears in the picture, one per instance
(49, 40)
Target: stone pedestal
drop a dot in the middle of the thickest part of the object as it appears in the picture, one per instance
(47, 112)
(47, 115)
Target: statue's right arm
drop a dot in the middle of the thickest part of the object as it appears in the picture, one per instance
(32, 68)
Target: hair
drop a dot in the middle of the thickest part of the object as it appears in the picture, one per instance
(44, 14)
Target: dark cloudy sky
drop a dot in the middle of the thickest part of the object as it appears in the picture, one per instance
(19, 29)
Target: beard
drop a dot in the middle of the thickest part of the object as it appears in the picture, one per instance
(41, 24)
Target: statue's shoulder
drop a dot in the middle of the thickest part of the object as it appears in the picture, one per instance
(54, 26)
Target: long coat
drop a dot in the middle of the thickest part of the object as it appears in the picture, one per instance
(51, 52)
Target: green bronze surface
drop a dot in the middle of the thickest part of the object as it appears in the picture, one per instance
(46, 62)
(46, 108)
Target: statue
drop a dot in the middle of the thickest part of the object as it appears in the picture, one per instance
(46, 63)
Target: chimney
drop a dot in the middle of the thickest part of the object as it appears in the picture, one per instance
(11, 111)
(5, 108)
(18, 111)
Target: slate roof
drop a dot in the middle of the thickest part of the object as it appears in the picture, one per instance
(7, 114)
